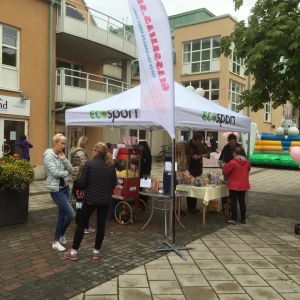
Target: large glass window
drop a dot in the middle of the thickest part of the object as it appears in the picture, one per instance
(9, 57)
(267, 111)
(235, 90)
(140, 134)
(210, 87)
(9, 46)
(237, 64)
(200, 53)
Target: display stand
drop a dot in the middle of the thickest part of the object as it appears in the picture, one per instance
(172, 213)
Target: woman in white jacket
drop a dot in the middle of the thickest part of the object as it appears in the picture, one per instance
(58, 168)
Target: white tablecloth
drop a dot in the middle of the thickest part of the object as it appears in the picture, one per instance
(206, 193)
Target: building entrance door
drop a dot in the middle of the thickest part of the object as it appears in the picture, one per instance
(10, 132)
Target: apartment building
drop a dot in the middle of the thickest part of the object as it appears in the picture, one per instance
(52, 58)
(196, 39)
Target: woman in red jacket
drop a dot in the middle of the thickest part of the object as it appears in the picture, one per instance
(238, 183)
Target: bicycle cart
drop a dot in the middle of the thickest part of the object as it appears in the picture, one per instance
(129, 207)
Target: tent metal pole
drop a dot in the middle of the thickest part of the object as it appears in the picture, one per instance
(150, 146)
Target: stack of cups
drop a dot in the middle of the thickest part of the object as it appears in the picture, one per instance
(155, 185)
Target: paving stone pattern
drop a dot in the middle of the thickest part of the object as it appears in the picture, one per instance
(30, 269)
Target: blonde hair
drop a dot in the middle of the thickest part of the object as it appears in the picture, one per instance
(102, 151)
(79, 171)
(180, 157)
(82, 142)
(58, 137)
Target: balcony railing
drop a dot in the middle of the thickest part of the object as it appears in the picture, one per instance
(81, 88)
(79, 20)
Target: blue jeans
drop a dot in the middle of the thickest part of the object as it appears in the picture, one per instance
(66, 213)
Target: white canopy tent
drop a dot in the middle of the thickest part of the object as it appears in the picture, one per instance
(192, 112)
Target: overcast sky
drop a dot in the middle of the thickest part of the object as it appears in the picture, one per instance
(118, 9)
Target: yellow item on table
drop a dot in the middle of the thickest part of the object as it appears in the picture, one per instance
(124, 173)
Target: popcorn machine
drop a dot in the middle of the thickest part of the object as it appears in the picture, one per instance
(127, 164)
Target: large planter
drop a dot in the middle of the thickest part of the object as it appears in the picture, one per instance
(13, 207)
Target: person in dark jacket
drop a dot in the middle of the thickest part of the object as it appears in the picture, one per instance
(227, 152)
(213, 143)
(227, 155)
(24, 145)
(238, 182)
(146, 160)
(98, 178)
(194, 151)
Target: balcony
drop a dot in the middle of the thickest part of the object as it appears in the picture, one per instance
(81, 88)
(84, 32)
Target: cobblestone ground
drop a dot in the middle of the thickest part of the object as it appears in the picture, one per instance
(30, 269)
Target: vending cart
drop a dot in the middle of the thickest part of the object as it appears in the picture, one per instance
(127, 163)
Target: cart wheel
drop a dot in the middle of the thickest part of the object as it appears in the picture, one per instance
(297, 228)
(141, 212)
(123, 212)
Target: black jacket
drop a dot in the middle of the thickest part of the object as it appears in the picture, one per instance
(146, 164)
(213, 143)
(227, 153)
(98, 180)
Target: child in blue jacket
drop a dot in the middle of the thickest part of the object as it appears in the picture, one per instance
(24, 145)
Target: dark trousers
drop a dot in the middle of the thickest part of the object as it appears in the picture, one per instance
(85, 215)
(78, 212)
(191, 202)
(236, 196)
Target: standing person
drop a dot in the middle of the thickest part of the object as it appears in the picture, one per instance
(98, 179)
(78, 154)
(146, 165)
(213, 143)
(238, 183)
(57, 169)
(194, 151)
(24, 145)
(227, 152)
(146, 160)
(79, 194)
(226, 156)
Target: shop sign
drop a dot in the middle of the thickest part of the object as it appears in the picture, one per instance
(14, 106)
(60, 118)
(114, 114)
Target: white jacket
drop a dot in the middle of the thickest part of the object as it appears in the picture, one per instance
(56, 169)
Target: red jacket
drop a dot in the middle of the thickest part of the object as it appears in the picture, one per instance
(238, 174)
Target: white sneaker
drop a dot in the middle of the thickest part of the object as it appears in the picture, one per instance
(58, 246)
(62, 240)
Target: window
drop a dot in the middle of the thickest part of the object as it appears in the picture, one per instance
(140, 134)
(267, 112)
(9, 57)
(201, 54)
(73, 73)
(236, 64)
(235, 90)
(210, 87)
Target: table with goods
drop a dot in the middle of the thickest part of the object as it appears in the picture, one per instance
(208, 187)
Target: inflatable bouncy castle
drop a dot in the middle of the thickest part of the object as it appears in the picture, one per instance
(274, 150)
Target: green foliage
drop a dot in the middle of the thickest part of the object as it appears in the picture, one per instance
(270, 44)
(15, 174)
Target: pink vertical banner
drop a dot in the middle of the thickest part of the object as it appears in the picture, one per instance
(154, 44)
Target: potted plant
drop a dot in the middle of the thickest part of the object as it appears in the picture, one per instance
(15, 177)
(158, 158)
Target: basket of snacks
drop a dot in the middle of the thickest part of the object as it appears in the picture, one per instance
(186, 178)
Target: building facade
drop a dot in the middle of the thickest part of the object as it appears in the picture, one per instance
(54, 59)
(196, 39)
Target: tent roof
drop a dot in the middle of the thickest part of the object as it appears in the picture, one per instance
(192, 112)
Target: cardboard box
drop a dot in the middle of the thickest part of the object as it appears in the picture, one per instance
(215, 205)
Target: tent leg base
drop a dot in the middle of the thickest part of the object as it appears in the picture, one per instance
(173, 248)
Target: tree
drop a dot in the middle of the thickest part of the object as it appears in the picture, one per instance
(270, 45)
